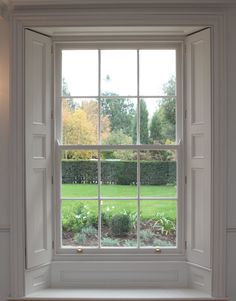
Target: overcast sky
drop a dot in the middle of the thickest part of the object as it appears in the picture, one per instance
(118, 72)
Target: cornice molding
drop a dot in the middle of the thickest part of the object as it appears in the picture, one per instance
(27, 4)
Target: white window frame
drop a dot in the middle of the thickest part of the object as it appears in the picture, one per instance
(165, 15)
(178, 147)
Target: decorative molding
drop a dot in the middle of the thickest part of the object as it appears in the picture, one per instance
(199, 278)
(37, 279)
(34, 3)
(141, 17)
(229, 230)
(219, 163)
(16, 163)
(5, 228)
(120, 274)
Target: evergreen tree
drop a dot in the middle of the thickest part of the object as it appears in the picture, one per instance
(66, 93)
(144, 133)
(163, 123)
(155, 128)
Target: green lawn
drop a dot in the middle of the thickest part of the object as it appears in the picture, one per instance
(148, 208)
(90, 190)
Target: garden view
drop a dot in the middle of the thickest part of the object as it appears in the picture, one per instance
(108, 196)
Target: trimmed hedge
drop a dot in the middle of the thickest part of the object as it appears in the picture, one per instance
(118, 172)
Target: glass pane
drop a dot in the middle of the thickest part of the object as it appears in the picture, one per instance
(158, 173)
(118, 121)
(157, 72)
(158, 121)
(79, 72)
(79, 121)
(79, 173)
(119, 72)
(119, 223)
(119, 173)
(79, 223)
(158, 223)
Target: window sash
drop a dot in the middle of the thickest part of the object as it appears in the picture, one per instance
(178, 147)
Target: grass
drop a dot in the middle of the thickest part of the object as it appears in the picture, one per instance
(149, 208)
(90, 190)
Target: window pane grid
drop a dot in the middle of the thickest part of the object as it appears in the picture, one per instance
(120, 199)
(135, 147)
(120, 96)
(121, 147)
(138, 213)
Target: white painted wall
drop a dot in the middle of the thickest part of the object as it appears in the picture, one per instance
(231, 198)
(4, 174)
(5, 180)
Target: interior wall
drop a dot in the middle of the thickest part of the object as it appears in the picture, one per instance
(231, 197)
(4, 150)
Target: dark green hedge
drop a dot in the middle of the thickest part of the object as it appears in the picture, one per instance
(119, 172)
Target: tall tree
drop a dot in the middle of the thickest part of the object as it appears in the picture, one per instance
(155, 128)
(163, 123)
(144, 133)
(120, 112)
(66, 94)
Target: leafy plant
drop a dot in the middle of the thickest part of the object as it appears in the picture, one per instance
(130, 243)
(76, 217)
(107, 214)
(89, 231)
(166, 224)
(146, 235)
(133, 219)
(120, 224)
(80, 238)
(110, 242)
(162, 243)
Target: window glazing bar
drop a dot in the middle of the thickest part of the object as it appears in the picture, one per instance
(121, 147)
(120, 199)
(119, 96)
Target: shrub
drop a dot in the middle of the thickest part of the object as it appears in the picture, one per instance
(120, 224)
(89, 231)
(130, 243)
(76, 217)
(80, 238)
(162, 243)
(85, 172)
(146, 235)
(106, 215)
(110, 242)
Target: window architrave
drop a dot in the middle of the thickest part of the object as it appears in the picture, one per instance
(213, 18)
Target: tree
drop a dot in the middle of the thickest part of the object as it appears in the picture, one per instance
(91, 109)
(120, 112)
(77, 129)
(66, 94)
(163, 123)
(117, 137)
(144, 133)
(65, 89)
(155, 128)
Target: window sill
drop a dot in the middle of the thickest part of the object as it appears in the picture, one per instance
(118, 294)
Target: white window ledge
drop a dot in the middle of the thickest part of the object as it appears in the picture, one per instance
(118, 294)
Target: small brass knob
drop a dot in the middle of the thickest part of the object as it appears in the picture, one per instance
(157, 250)
(79, 250)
